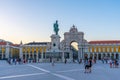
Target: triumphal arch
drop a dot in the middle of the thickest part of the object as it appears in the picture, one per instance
(74, 36)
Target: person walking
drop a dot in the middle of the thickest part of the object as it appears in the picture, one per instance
(53, 62)
(110, 62)
(65, 60)
(90, 65)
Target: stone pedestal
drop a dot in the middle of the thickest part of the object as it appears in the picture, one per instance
(55, 43)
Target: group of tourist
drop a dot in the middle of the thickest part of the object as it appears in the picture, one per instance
(20, 61)
(14, 61)
(105, 59)
(114, 63)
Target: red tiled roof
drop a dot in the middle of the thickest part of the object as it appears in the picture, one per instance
(15, 45)
(105, 42)
(3, 43)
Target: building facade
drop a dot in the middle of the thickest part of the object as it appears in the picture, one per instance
(61, 50)
(101, 49)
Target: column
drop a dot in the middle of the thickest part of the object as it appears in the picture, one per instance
(119, 55)
(101, 55)
(88, 55)
(79, 54)
(42, 56)
(20, 52)
(36, 56)
(33, 55)
(71, 55)
(114, 55)
(7, 51)
(63, 58)
(29, 55)
(2, 54)
(110, 55)
(25, 56)
(97, 56)
(83, 52)
(93, 55)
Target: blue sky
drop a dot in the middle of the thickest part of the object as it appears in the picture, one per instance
(32, 20)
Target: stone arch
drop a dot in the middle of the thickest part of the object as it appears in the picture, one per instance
(68, 48)
(99, 56)
(108, 55)
(104, 55)
(95, 56)
(91, 56)
(85, 56)
(112, 56)
(74, 49)
(74, 36)
(117, 56)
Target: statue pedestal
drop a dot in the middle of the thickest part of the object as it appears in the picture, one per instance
(55, 42)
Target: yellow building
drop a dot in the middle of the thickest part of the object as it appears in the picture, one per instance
(34, 51)
(101, 49)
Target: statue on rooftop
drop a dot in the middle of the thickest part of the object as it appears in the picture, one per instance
(56, 29)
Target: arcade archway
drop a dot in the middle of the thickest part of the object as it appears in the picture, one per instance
(74, 50)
